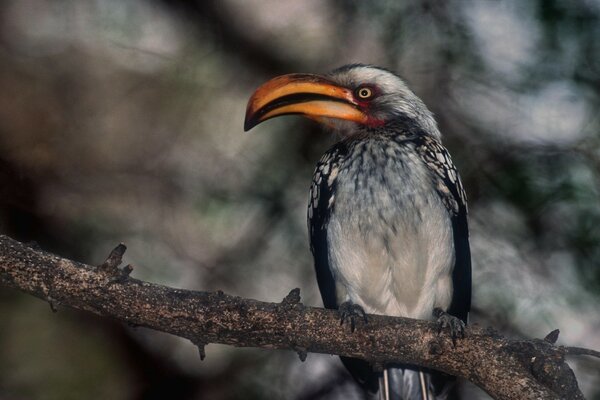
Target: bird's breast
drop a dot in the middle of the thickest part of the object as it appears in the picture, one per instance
(389, 235)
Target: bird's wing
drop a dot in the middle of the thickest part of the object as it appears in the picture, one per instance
(320, 206)
(452, 194)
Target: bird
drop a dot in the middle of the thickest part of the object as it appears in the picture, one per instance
(387, 212)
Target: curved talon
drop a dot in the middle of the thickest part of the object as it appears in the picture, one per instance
(454, 324)
(349, 312)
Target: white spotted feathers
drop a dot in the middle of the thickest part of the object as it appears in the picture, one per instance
(447, 181)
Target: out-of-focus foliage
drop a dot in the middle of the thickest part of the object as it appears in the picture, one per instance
(122, 121)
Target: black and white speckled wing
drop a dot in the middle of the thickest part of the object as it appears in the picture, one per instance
(452, 193)
(320, 206)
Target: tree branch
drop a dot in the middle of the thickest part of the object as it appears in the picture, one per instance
(506, 369)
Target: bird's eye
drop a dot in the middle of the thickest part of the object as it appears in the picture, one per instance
(364, 92)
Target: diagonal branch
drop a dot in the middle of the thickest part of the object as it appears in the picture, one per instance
(506, 369)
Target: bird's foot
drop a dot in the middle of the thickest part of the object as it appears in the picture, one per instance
(349, 312)
(446, 321)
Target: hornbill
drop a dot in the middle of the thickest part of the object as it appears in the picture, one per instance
(387, 213)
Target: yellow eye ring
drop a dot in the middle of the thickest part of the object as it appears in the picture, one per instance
(364, 92)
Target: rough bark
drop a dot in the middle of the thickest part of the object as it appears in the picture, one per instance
(506, 369)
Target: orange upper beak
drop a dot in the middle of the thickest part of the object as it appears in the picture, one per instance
(310, 95)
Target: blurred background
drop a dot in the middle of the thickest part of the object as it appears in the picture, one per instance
(121, 121)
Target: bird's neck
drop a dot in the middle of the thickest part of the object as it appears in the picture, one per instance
(399, 130)
(404, 126)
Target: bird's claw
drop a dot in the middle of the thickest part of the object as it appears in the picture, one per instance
(349, 312)
(450, 322)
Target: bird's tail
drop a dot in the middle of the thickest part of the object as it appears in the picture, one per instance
(413, 384)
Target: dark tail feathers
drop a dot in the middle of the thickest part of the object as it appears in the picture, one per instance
(412, 384)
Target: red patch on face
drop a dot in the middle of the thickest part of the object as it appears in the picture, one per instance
(374, 122)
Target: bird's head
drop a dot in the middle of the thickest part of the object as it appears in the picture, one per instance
(348, 99)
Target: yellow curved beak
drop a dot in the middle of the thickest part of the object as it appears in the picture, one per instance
(310, 95)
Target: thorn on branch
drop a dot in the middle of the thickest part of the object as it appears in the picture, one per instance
(292, 298)
(201, 348)
(302, 352)
(552, 337)
(114, 259)
(127, 269)
(112, 262)
(125, 272)
(53, 304)
(121, 275)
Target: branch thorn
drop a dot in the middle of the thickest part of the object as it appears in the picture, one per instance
(292, 298)
(114, 259)
(201, 348)
(53, 304)
(121, 275)
(302, 352)
(552, 337)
